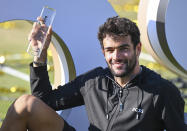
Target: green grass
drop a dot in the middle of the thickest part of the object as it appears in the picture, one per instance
(4, 107)
(8, 81)
(14, 41)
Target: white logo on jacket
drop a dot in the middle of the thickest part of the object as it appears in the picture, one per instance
(138, 110)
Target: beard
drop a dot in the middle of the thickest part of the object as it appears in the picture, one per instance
(126, 69)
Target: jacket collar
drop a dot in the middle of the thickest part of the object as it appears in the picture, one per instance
(136, 80)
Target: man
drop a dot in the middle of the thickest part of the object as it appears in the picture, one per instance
(123, 97)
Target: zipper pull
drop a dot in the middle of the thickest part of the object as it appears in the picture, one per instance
(120, 103)
(107, 116)
(120, 92)
(138, 116)
(120, 106)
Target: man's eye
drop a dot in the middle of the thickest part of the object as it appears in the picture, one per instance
(109, 50)
(124, 49)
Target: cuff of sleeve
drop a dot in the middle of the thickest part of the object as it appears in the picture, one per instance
(40, 71)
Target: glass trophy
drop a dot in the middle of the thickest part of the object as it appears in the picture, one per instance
(47, 16)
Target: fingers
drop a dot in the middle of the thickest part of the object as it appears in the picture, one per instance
(33, 31)
(49, 33)
(40, 33)
(50, 30)
(48, 39)
(41, 21)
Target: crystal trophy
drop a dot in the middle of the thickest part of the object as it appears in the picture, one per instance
(47, 16)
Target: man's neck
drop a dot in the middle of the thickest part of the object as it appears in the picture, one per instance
(122, 81)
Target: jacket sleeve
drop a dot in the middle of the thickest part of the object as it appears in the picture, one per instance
(66, 96)
(173, 108)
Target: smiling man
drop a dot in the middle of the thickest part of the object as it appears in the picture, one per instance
(121, 56)
(122, 97)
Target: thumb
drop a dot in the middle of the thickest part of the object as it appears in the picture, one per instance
(49, 30)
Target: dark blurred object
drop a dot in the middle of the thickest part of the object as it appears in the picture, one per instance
(182, 85)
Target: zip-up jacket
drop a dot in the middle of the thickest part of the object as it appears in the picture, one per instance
(147, 103)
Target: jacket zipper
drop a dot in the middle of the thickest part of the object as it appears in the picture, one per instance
(119, 108)
(110, 124)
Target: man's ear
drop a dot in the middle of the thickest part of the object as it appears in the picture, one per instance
(138, 48)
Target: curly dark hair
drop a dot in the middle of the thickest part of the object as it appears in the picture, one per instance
(116, 26)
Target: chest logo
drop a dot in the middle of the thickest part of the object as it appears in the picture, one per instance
(137, 110)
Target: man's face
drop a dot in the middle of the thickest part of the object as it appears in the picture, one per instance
(120, 55)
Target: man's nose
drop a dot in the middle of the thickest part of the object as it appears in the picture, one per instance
(116, 54)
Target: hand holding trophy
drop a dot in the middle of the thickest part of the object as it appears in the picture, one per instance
(40, 36)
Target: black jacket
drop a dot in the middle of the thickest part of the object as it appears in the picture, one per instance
(147, 103)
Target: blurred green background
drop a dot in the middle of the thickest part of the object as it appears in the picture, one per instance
(13, 57)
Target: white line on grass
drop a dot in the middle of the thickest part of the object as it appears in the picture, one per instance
(14, 72)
